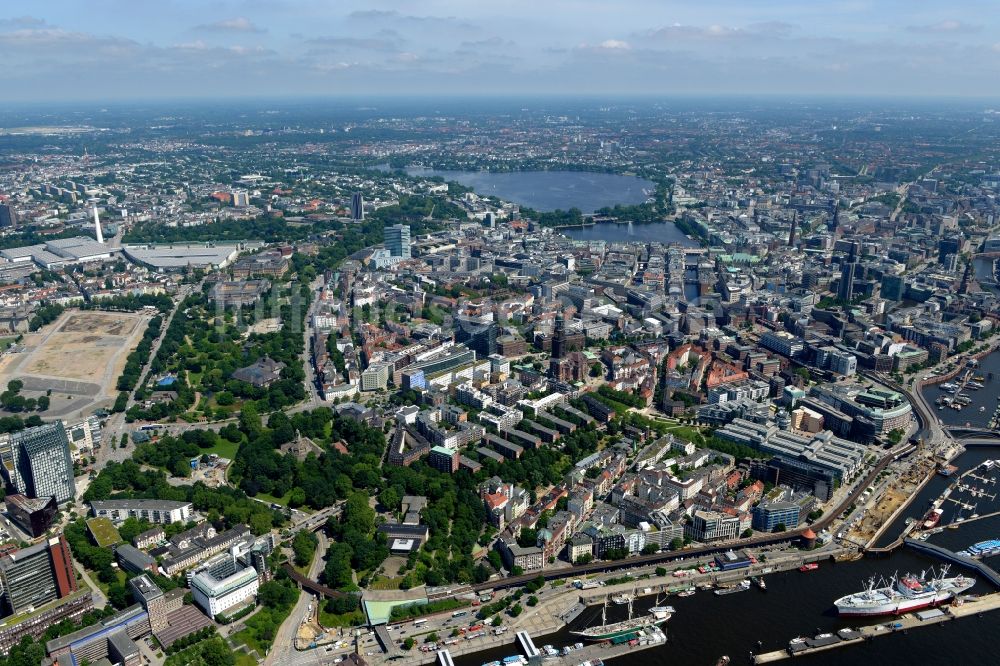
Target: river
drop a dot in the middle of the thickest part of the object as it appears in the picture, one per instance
(707, 626)
(551, 190)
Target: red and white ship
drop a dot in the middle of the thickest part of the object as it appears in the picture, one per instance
(932, 518)
(904, 595)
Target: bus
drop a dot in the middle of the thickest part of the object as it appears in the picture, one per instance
(152, 426)
(459, 614)
(419, 623)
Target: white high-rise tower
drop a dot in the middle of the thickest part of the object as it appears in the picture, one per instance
(97, 226)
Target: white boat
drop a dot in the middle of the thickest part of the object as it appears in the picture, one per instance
(903, 595)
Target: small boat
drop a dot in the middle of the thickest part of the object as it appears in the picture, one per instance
(742, 586)
(621, 599)
(760, 583)
(722, 661)
(812, 566)
(686, 593)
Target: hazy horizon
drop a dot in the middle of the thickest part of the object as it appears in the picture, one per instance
(246, 49)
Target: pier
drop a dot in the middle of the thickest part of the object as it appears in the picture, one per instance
(963, 608)
(444, 658)
(527, 645)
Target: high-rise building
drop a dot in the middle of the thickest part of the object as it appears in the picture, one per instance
(36, 575)
(357, 206)
(946, 246)
(8, 216)
(149, 594)
(37, 462)
(481, 338)
(846, 288)
(397, 240)
(893, 287)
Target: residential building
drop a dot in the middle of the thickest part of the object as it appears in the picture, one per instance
(36, 621)
(443, 459)
(162, 512)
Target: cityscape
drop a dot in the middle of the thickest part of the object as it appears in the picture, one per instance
(561, 377)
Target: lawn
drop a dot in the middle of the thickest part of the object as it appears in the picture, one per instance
(687, 433)
(384, 583)
(224, 449)
(352, 619)
(283, 500)
(243, 659)
(6, 342)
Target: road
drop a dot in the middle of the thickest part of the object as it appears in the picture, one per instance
(116, 425)
(283, 649)
(313, 396)
(100, 601)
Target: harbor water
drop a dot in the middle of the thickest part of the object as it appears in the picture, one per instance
(707, 626)
(983, 401)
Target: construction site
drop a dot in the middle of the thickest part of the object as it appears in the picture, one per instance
(78, 357)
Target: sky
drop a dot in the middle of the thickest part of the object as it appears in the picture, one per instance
(139, 49)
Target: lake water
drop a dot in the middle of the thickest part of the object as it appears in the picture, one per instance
(657, 232)
(551, 190)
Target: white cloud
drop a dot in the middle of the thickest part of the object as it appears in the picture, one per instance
(238, 24)
(946, 26)
(615, 44)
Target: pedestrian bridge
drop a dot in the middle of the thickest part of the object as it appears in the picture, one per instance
(527, 646)
(961, 560)
(444, 658)
(971, 432)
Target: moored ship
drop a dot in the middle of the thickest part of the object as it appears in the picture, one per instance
(605, 632)
(932, 518)
(903, 595)
(982, 549)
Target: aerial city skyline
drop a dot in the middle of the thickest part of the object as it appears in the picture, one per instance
(471, 334)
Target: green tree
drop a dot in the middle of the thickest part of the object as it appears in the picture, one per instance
(250, 422)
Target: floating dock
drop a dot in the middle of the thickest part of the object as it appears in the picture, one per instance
(904, 623)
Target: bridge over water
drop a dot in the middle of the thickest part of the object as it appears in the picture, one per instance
(962, 560)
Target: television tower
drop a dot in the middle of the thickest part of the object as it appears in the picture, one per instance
(97, 224)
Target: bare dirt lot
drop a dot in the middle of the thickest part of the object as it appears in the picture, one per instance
(80, 355)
